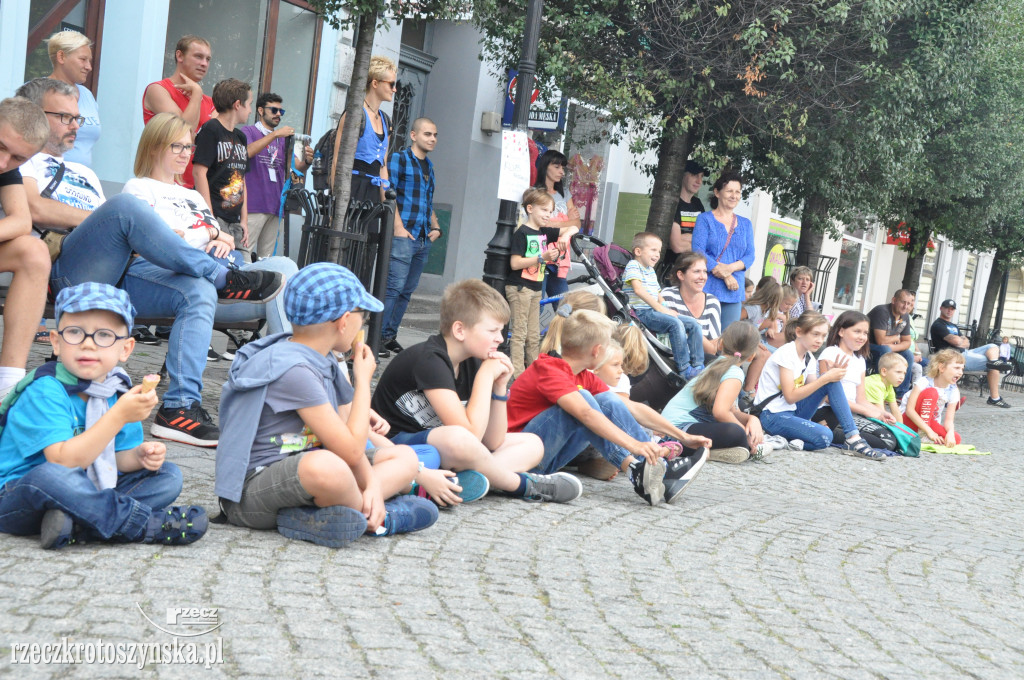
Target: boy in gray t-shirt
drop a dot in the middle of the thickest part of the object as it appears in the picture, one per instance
(292, 454)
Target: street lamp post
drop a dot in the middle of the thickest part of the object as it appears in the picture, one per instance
(496, 262)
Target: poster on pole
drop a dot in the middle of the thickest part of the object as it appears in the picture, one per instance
(514, 176)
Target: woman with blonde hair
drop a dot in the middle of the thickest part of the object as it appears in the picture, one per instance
(370, 170)
(162, 156)
(71, 55)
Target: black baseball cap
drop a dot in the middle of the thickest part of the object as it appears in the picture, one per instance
(695, 168)
(948, 303)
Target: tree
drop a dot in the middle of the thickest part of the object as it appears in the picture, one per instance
(697, 75)
(364, 15)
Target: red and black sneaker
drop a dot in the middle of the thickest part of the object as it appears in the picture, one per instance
(191, 425)
(251, 286)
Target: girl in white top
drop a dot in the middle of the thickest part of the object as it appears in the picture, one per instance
(164, 151)
(849, 339)
(792, 390)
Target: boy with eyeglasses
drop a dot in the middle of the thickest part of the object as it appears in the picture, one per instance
(73, 463)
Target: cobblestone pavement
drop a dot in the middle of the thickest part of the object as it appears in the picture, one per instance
(817, 565)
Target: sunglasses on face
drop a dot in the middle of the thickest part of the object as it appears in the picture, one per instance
(274, 110)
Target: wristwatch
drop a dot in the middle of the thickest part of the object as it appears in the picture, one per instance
(438, 230)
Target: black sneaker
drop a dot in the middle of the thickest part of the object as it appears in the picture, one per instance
(211, 354)
(191, 425)
(57, 530)
(383, 353)
(997, 402)
(176, 525)
(144, 336)
(680, 471)
(560, 487)
(648, 480)
(393, 345)
(251, 286)
(1001, 365)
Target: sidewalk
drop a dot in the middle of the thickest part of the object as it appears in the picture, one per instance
(817, 565)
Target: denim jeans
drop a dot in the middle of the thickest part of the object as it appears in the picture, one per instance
(553, 285)
(876, 353)
(730, 313)
(684, 332)
(975, 359)
(408, 257)
(272, 311)
(170, 279)
(565, 437)
(798, 424)
(121, 512)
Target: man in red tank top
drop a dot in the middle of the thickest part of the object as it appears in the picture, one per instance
(182, 93)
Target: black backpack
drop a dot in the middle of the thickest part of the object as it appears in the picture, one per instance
(325, 148)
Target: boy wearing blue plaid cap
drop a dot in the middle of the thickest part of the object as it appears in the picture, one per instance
(73, 465)
(293, 453)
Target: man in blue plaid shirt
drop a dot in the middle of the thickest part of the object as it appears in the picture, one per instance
(412, 176)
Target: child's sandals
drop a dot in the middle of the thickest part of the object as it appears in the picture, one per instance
(863, 449)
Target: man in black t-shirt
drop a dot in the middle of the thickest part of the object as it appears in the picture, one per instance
(890, 332)
(23, 132)
(945, 334)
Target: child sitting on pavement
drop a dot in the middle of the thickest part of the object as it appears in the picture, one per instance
(880, 388)
(450, 391)
(293, 452)
(567, 406)
(73, 463)
(931, 404)
(708, 405)
(641, 283)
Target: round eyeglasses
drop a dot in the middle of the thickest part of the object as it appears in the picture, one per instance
(104, 337)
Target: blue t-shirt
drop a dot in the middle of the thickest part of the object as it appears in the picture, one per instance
(44, 415)
(678, 409)
(89, 133)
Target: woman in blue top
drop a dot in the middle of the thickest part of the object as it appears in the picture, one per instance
(71, 55)
(370, 168)
(727, 240)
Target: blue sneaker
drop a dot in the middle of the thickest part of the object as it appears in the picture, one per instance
(176, 525)
(474, 485)
(333, 527)
(692, 372)
(405, 514)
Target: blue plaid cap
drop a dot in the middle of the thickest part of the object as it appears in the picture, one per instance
(86, 297)
(323, 292)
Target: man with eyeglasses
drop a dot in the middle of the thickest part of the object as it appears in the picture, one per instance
(268, 170)
(169, 278)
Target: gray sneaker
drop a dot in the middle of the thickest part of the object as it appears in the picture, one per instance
(560, 487)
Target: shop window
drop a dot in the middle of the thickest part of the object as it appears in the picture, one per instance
(853, 270)
(46, 17)
(271, 44)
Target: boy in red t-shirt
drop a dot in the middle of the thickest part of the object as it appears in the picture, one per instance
(558, 399)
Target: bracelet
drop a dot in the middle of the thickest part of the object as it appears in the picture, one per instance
(437, 229)
(496, 397)
(540, 259)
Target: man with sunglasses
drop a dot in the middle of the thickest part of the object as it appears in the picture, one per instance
(268, 170)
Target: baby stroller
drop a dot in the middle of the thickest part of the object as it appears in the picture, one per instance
(604, 264)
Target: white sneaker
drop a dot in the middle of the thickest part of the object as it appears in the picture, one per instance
(796, 444)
